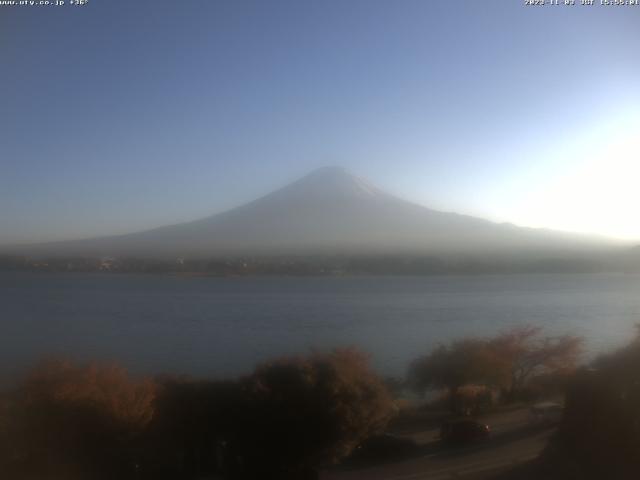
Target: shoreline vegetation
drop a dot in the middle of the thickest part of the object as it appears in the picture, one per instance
(293, 416)
(627, 262)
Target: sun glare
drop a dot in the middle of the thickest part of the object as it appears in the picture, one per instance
(599, 194)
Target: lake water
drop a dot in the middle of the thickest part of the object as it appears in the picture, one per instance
(223, 326)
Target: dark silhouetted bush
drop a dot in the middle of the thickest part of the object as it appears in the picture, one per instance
(190, 431)
(600, 434)
(301, 413)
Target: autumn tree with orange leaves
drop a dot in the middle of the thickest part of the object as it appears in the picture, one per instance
(508, 362)
(524, 353)
(463, 362)
(81, 421)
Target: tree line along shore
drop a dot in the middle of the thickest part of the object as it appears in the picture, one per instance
(331, 265)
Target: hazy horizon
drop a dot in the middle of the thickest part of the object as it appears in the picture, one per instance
(321, 171)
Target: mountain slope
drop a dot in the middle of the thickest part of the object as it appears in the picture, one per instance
(328, 211)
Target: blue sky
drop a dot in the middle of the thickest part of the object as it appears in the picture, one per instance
(119, 116)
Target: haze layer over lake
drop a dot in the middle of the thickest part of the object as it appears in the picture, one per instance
(223, 326)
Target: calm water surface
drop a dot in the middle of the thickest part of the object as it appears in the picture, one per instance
(223, 326)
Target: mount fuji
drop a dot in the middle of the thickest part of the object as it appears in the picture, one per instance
(329, 211)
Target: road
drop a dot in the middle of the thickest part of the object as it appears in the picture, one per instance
(513, 442)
